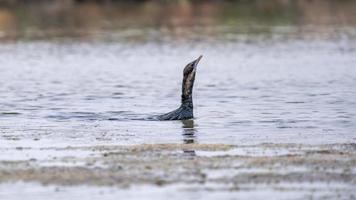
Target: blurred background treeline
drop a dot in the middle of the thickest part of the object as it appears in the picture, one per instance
(139, 20)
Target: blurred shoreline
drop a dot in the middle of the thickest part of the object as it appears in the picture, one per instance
(139, 20)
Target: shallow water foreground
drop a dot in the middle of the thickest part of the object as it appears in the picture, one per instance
(189, 171)
(275, 100)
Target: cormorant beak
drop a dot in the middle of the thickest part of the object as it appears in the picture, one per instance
(197, 61)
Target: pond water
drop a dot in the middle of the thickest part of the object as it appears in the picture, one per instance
(85, 93)
(86, 74)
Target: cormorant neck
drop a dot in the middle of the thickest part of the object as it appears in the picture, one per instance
(187, 89)
(187, 101)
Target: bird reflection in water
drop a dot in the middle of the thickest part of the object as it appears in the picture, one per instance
(189, 136)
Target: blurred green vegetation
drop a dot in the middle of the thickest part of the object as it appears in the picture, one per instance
(24, 19)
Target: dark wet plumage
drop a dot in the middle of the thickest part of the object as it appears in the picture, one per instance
(185, 111)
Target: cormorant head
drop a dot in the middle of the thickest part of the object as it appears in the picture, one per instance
(188, 78)
(191, 67)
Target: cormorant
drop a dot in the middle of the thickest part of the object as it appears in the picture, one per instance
(185, 111)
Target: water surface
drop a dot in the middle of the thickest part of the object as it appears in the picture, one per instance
(85, 93)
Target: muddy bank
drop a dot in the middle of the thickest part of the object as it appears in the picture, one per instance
(283, 167)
